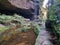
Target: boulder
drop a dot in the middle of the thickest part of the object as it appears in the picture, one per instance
(12, 4)
(24, 8)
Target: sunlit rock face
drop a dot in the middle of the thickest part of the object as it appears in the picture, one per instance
(45, 3)
(44, 9)
(48, 3)
(21, 7)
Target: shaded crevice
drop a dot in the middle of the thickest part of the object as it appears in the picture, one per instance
(22, 12)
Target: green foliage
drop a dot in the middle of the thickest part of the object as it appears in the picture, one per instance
(51, 13)
(54, 18)
(58, 0)
(4, 18)
(2, 29)
(25, 24)
(36, 28)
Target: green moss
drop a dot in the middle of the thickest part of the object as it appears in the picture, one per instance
(2, 29)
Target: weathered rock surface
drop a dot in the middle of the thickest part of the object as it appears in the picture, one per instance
(43, 37)
(15, 37)
(16, 31)
(24, 8)
(12, 4)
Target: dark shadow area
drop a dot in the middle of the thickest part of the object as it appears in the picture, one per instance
(27, 13)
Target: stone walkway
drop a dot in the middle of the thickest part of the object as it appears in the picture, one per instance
(43, 37)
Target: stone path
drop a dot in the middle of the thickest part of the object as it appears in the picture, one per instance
(43, 37)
